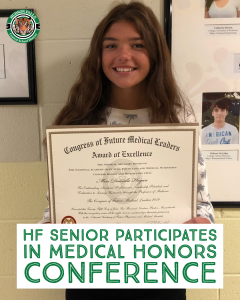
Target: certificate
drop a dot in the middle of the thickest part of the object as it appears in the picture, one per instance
(123, 174)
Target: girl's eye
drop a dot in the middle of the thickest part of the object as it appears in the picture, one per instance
(138, 46)
(110, 46)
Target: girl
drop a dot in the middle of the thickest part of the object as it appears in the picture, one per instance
(126, 78)
(222, 9)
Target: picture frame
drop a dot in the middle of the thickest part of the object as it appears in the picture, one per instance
(17, 67)
(168, 23)
(231, 167)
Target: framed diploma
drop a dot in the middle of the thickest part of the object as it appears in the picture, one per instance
(123, 174)
(205, 52)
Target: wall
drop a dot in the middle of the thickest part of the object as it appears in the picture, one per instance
(66, 29)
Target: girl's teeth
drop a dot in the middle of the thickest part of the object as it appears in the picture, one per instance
(124, 69)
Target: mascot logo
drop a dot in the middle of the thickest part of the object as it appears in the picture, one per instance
(23, 26)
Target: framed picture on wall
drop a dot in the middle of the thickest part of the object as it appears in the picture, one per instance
(206, 60)
(17, 67)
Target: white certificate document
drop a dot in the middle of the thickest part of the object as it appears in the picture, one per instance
(123, 174)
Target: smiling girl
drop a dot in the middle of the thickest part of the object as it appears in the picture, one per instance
(126, 78)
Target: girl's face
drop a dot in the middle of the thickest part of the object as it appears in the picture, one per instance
(125, 60)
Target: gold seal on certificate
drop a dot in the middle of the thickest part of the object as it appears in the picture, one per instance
(68, 220)
(123, 174)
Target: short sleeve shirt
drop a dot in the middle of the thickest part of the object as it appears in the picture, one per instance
(228, 134)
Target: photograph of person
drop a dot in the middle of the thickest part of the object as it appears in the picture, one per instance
(222, 8)
(220, 132)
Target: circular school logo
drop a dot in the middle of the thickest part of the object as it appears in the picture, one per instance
(23, 26)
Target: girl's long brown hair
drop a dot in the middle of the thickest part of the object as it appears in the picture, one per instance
(89, 96)
(208, 3)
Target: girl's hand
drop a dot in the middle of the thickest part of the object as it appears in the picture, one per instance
(198, 220)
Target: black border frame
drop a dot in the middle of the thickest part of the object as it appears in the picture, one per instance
(32, 85)
(168, 36)
(168, 23)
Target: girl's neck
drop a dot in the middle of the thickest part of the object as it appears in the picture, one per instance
(129, 98)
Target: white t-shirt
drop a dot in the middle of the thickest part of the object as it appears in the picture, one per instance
(123, 116)
(227, 11)
(228, 134)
